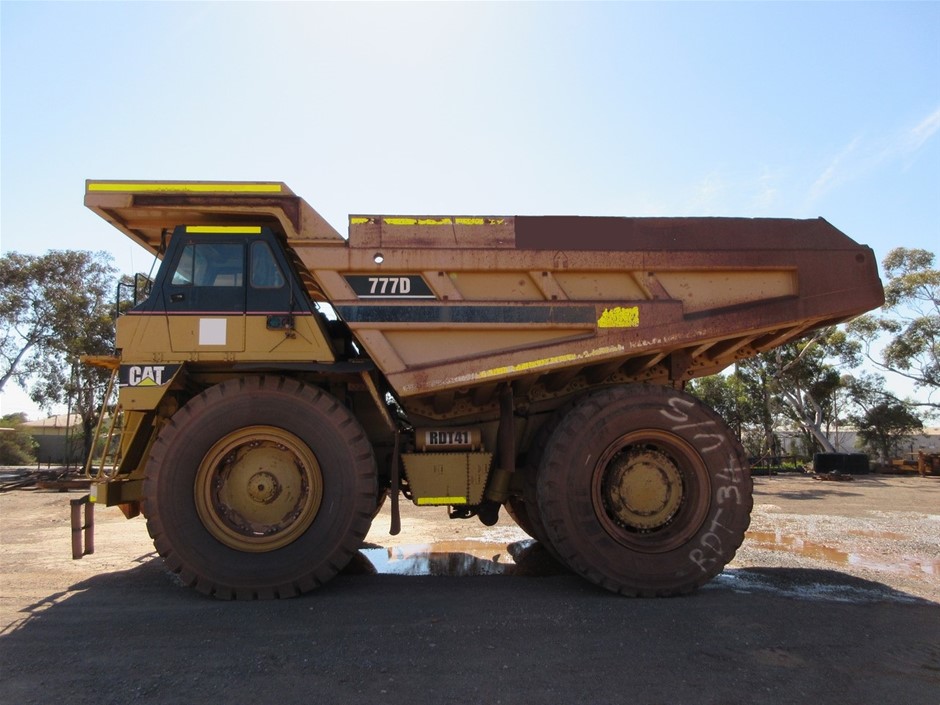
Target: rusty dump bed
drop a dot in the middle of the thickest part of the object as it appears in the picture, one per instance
(448, 307)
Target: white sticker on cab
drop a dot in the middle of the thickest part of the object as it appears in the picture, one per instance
(212, 331)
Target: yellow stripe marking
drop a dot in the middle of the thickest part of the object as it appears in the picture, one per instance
(620, 317)
(522, 366)
(437, 221)
(418, 221)
(229, 229)
(413, 221)
(544, 362)
(167, 187)
(442, 500)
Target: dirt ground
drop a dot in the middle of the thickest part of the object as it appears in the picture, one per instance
(834, 597)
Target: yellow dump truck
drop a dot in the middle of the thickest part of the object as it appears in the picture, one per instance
(279, 381)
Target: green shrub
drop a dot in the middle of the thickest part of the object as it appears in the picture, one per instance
(16, 447)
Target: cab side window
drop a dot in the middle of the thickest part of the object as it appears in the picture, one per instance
(265, 272)
(183, 274)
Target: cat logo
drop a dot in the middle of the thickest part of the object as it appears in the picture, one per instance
(147, 375)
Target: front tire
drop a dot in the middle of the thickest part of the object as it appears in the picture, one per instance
(644, 490)
(259, 487)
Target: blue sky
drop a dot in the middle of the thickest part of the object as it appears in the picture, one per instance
(752, 109)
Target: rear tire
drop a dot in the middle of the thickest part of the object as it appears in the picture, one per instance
(518, 510)
(644, 490)
(259, 487)
(530, 474)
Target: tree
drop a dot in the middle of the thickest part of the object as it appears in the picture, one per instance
(53, 309)
(799, 380)
(884, 426)
(883, 421)
(16, 447)
(911, 320)
(761, 406)
(719, 392)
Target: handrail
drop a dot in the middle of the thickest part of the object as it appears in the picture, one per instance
(94, 441)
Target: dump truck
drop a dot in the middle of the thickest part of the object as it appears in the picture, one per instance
(279, 382)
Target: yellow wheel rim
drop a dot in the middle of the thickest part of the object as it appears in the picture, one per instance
(651, 490)
(642, 489)
(258, 489)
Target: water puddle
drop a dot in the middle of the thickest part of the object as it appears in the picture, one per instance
(458, 559)
(890, 535)
(899, 565)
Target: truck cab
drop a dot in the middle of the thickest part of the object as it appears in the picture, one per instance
(225, 293)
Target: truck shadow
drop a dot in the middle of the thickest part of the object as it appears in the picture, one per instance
(372, 638)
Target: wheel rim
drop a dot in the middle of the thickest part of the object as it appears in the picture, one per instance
(258, 489)
(650, 490)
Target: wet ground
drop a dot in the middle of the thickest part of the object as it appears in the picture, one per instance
(876, 527)
(833, 598)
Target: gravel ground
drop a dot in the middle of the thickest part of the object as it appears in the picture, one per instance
(880, 528)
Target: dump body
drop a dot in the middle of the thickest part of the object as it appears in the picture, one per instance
(279, 381)
(450, 307)
(557, 304)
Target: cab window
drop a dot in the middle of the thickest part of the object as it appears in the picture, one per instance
(265, 272)
(210, 264)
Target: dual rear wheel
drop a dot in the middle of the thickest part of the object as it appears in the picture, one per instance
(641, 489)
